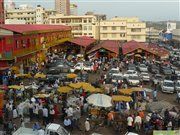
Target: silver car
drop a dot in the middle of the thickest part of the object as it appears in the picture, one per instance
(167, 86)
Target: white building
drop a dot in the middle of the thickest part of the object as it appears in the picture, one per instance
(14, 21)
(38, 15)
(73, 9)
(171, 26)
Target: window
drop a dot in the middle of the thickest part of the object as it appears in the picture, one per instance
(104, 35)
(90, 27)
(113, 28)
(17, 44)
(24, 43)
(90, 33)
(85, 21)
(104, 27)
(90, 21)
(113, 35)
(85, 34)
(52, 21)
(135, 30)
(122, 34)
(122, 28)
(85, 27)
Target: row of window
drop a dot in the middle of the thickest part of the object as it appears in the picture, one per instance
(114, 35)
(114, 28)
(71, 21)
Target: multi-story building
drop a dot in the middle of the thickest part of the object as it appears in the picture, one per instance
(39, 15)
(73, 9)
(84, 25)
(123, 29)
(1, 11)
(21, 44)
(152, 34)
(62, 6)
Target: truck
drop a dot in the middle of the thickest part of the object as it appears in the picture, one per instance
(51, 129)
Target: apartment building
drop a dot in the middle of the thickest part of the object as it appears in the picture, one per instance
(84, 25)
(123, 29)
(62, 6)
(1, 11)
(38, 15)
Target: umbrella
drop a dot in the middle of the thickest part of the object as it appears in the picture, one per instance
(100, 100)
(126, 91)
(64, 89)
(119, 98)
(83, 85)
(42, 95)
(39, 75)
(71, 76)
(24, 75)
(15, 87)
(31, 87)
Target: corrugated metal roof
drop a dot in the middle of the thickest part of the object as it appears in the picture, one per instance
(84, 41)
(29, 28)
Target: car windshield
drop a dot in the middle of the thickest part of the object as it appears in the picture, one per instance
(114, 71)
(144, 74)
(134, 77)
(117, 77)
(178, 84)
(143, 66)
(158, 77)
(169, 84)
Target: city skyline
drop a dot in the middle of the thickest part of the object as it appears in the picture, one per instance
(148, 10)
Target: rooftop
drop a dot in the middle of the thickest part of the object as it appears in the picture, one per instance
(28, 28)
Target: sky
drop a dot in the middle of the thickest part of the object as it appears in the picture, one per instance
(146, 10)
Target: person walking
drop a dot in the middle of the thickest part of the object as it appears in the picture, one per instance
(138, 123)
(130, 123)
(87, 126)
(45, 115)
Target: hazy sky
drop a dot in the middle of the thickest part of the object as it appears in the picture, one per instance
(154, 10)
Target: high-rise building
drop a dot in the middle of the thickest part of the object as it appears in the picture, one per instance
(1, 11)
(73, 9)
(62, 6)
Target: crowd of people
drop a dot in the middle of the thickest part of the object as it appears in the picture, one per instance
(122, 117)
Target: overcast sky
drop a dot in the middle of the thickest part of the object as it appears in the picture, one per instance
(153, 10)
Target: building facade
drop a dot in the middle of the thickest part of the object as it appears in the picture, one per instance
(39, 15)
(20, 44)
(62, 6)
(1, 11)
(81, 25)
(73, 9)
(123, 29)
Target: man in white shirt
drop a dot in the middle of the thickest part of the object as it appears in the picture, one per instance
(45, 115)
(138, 122)
(87, 125)
(41, 132)
(69, 112)
(130, 123)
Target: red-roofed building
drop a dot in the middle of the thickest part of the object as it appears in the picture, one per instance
(20, 44)
(107, 48)
(133, 49)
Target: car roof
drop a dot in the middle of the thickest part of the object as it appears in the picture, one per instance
(168, 81)
(53, 126)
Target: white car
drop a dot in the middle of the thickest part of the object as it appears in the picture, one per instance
(117, 78)
(113, 71)
(133, 80)
(167, 86)
(82, 66)
(145, 76)
(130, 72)
(177, 86)
(143, 68)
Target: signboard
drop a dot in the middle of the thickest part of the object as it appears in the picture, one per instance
(171, 26)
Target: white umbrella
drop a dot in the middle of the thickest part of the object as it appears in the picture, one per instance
(100, 100)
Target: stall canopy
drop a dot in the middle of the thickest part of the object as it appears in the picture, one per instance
(119, 98)
(109, 45)
(83, 41)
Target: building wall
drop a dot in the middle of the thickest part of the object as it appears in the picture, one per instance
(1, 11)
(38, 15)
(19, 46)
(81, 25)
(62, 6)
(124, 29)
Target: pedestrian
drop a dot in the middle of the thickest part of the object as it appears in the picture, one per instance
(51, 115)
(138, 123)
(45, 115)
(154, 95)
(67, 123)
(130, 123)
(87, 126)
(36, 126)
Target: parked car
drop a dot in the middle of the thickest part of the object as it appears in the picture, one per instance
(143, 68)
(154, 69)
(117, 78)
(130, 72)
(131, 67)
(133, 80)
(82, 66)
(113, 71)
(177, 86)
(157, 79)
(167, 86)
(145, 76)
(166, 70)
